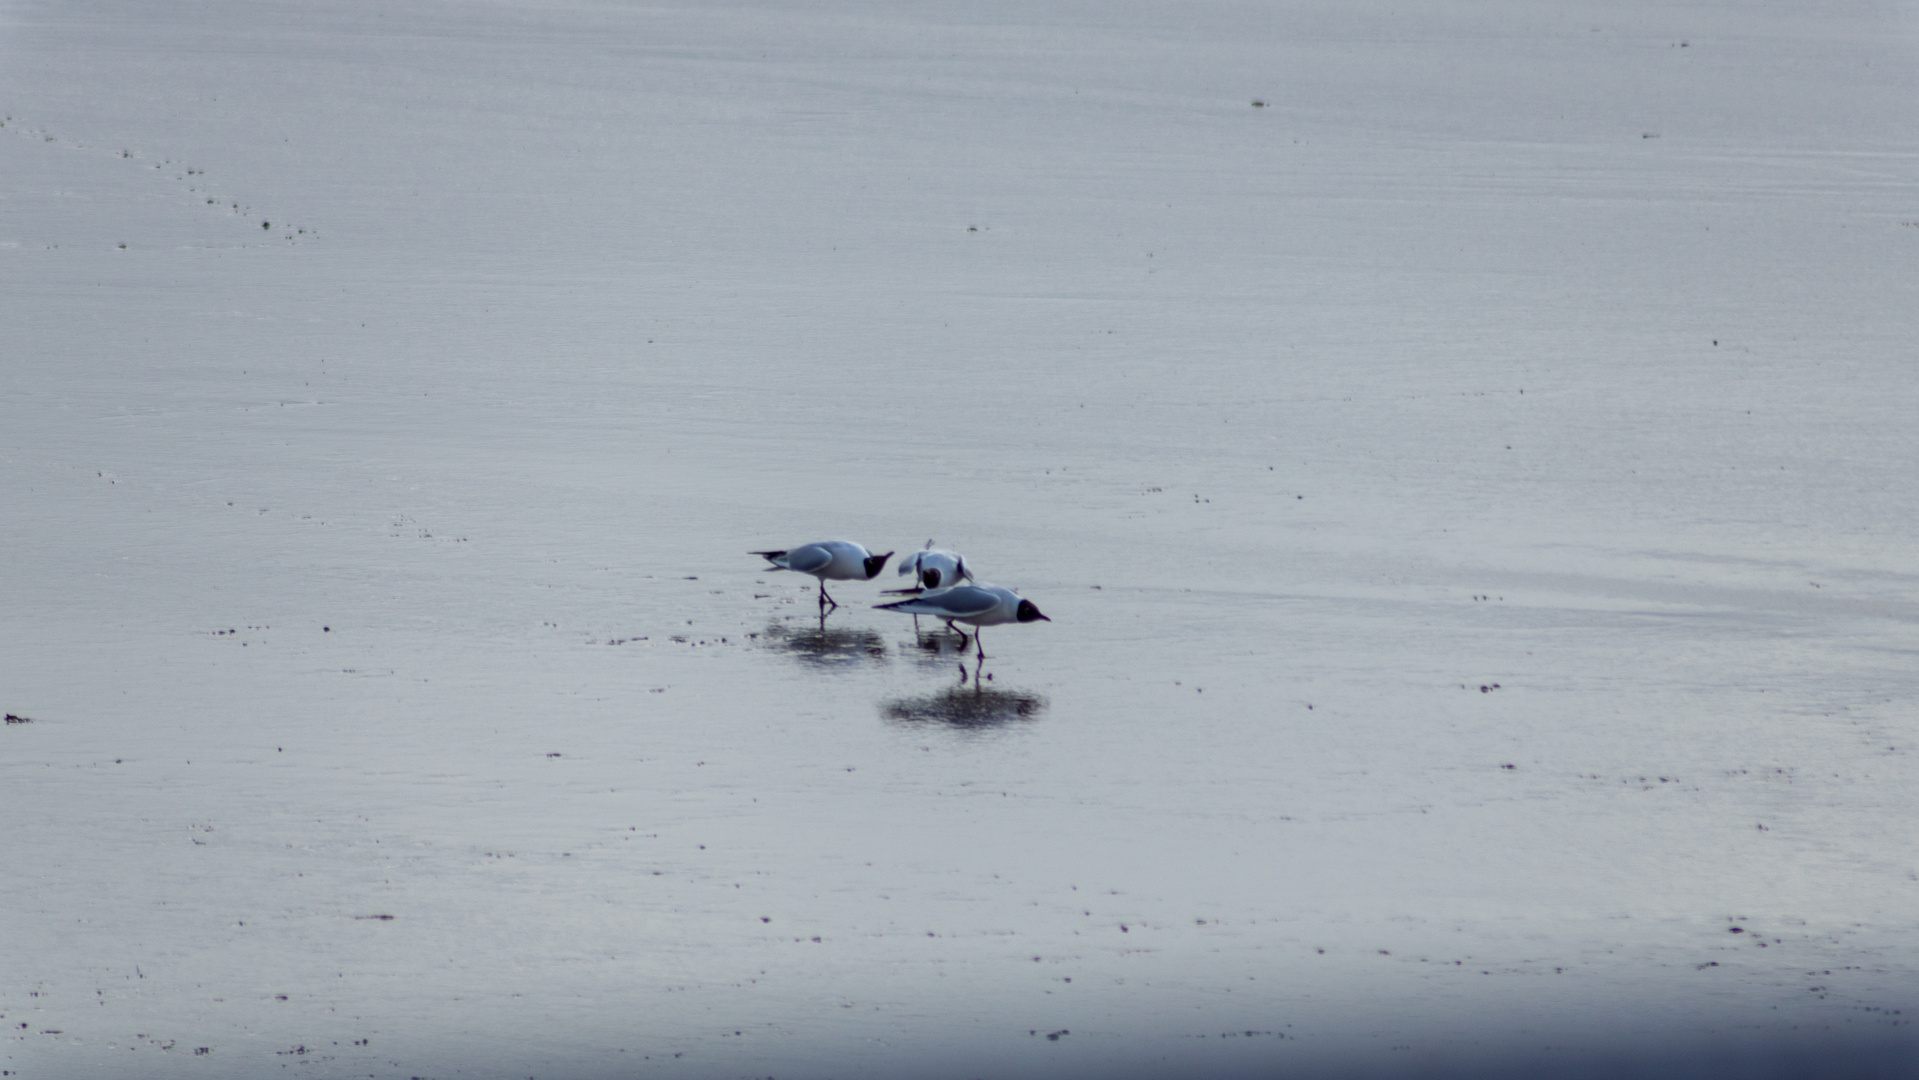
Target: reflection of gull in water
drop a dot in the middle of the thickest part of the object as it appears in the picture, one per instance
(966, 707)
(936, 649)
(816, 645)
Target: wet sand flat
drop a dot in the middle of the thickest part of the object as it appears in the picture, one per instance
(1465, 451)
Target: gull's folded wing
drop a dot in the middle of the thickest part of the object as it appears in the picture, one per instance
(955, 603)
(809, 559)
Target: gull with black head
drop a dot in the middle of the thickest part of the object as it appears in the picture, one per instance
(932, 568)
(978, 605)
(840, 560)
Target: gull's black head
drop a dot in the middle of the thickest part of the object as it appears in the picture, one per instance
(876, 563)
(1028, 611)
(930, 577)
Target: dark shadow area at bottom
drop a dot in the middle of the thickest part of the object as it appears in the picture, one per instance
(1705, 1059)
(1680, 1059)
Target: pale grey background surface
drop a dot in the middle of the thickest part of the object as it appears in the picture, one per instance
(560, 308)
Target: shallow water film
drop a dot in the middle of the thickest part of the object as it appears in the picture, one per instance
(1465, 452)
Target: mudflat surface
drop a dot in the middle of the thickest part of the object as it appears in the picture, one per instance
(1466, 451)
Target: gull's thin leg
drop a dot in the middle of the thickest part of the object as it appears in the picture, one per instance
(824, 598)
(980, 645)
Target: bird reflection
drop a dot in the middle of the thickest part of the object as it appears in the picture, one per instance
(967, 705)
(939, 648)
(821, 647)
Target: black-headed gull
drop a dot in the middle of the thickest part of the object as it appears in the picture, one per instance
(980, 605)
(935, 568)
(932, 568)
(840, 560)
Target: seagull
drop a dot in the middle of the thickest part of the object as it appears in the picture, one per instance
(981, 605)
(841, 560)
(934, 568)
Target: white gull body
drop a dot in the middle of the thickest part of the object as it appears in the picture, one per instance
(978, 605)
(838, 560)
(935, 568)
